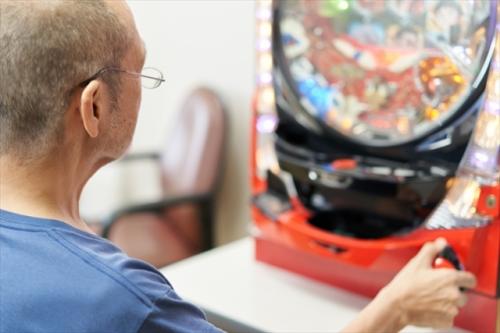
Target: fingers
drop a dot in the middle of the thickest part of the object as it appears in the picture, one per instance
(429, 251)
(454, 281)
(465, 280)
(462, 300)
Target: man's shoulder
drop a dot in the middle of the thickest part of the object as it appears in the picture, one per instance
(135, 276)
(52, 245)
(83, 282)
(166, 311)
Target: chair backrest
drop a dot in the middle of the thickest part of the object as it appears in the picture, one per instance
(191, 161)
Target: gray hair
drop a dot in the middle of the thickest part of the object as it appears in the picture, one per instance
(47, 49)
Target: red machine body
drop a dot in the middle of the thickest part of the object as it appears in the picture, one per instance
(285, 238)
(365, 266)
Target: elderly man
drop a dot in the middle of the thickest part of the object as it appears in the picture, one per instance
(70, 89)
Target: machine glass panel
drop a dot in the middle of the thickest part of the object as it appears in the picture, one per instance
(386, 72)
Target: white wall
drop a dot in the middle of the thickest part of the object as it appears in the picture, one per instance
(205, 42)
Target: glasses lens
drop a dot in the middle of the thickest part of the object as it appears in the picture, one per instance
(151, 78)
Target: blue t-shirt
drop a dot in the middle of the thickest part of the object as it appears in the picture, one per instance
(58, 279)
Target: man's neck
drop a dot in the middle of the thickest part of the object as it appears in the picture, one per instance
(46, 189)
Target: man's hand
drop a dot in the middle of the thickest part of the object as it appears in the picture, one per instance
(427, 296)
(419, 295)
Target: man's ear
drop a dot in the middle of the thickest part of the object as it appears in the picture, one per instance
(90, 107)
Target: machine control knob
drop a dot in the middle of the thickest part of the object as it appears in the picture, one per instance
(449, 258)
(449, 255)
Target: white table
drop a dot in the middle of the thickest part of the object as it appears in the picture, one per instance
(240, 294)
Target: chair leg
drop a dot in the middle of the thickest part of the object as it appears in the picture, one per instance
(207, 218)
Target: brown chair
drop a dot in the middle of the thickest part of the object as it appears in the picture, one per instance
(181, 223)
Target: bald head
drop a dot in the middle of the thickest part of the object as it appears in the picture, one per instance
(122, 11)
(48, 48)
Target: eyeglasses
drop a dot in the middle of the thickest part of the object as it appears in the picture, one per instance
(151, 78)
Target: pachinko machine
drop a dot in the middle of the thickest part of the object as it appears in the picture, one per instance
(376, 128)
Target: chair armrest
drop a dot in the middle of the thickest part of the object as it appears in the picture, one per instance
(154, 207)
(140, 156)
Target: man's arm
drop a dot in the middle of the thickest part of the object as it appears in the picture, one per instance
(172, 314)
(382, 315)
(419, 295)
